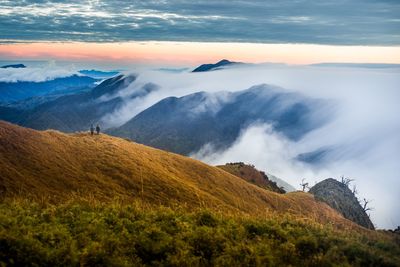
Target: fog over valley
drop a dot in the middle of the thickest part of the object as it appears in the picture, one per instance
(348, 117)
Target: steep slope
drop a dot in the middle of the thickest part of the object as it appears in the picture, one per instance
(216, 66)
(251, 174)
(339, 196)
(54, 166)
(184, 125)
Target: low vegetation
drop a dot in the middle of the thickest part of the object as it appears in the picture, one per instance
(81, 200)
(85, 233)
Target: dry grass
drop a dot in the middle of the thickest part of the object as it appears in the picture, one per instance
(51, 167)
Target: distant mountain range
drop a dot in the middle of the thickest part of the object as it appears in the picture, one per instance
(14, 66)
(17, 91)
(216, 66)
(184, 125)
(77, 112)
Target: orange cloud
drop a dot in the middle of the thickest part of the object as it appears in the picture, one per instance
(175, 53)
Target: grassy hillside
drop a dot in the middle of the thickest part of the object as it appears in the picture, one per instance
(81, 200)
(251, 174)
(52, 166)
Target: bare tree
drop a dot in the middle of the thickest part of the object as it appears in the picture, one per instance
(365, 204)
(346, 181)
(304, 184)
(354, 191)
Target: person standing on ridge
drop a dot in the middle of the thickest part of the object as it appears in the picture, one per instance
(91, 129)
(98, 129)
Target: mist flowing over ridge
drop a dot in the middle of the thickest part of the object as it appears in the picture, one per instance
(360, 141)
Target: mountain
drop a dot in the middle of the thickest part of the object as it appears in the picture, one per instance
(54, 166)
(30, 103)
(16, 91)
(216, 66)
(14, 66)
(77, 112)
(10, 114)
(317, 156)
(184, 125)
(250, 174)
(337, 195)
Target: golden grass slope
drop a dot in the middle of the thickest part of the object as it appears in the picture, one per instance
(54, 166)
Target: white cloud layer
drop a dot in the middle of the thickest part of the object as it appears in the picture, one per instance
(35, 74)
(364, 133)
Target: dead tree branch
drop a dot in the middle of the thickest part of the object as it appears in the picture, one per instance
(304, 184)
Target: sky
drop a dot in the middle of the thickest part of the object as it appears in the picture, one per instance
(190, 32)
(195, 53)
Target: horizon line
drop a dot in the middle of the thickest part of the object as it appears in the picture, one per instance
(179, 52)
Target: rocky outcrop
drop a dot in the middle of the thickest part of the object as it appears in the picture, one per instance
(341, 198)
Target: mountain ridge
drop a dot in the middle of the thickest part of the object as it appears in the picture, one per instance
(13, 66)
(215, 66)
(184, 125)
(76, 112)
(14, 91)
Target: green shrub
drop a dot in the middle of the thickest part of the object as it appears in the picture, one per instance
(89, 234)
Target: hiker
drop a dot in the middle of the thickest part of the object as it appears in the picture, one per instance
(98, 129)
(91, 129)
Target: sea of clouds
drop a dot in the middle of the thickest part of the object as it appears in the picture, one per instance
(37, 73)
(364, 135)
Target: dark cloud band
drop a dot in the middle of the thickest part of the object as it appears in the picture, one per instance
(344, 22)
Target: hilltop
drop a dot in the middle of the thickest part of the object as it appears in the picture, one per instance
(251, 174)
(55, 166)
(216, 66)
(337, 195)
